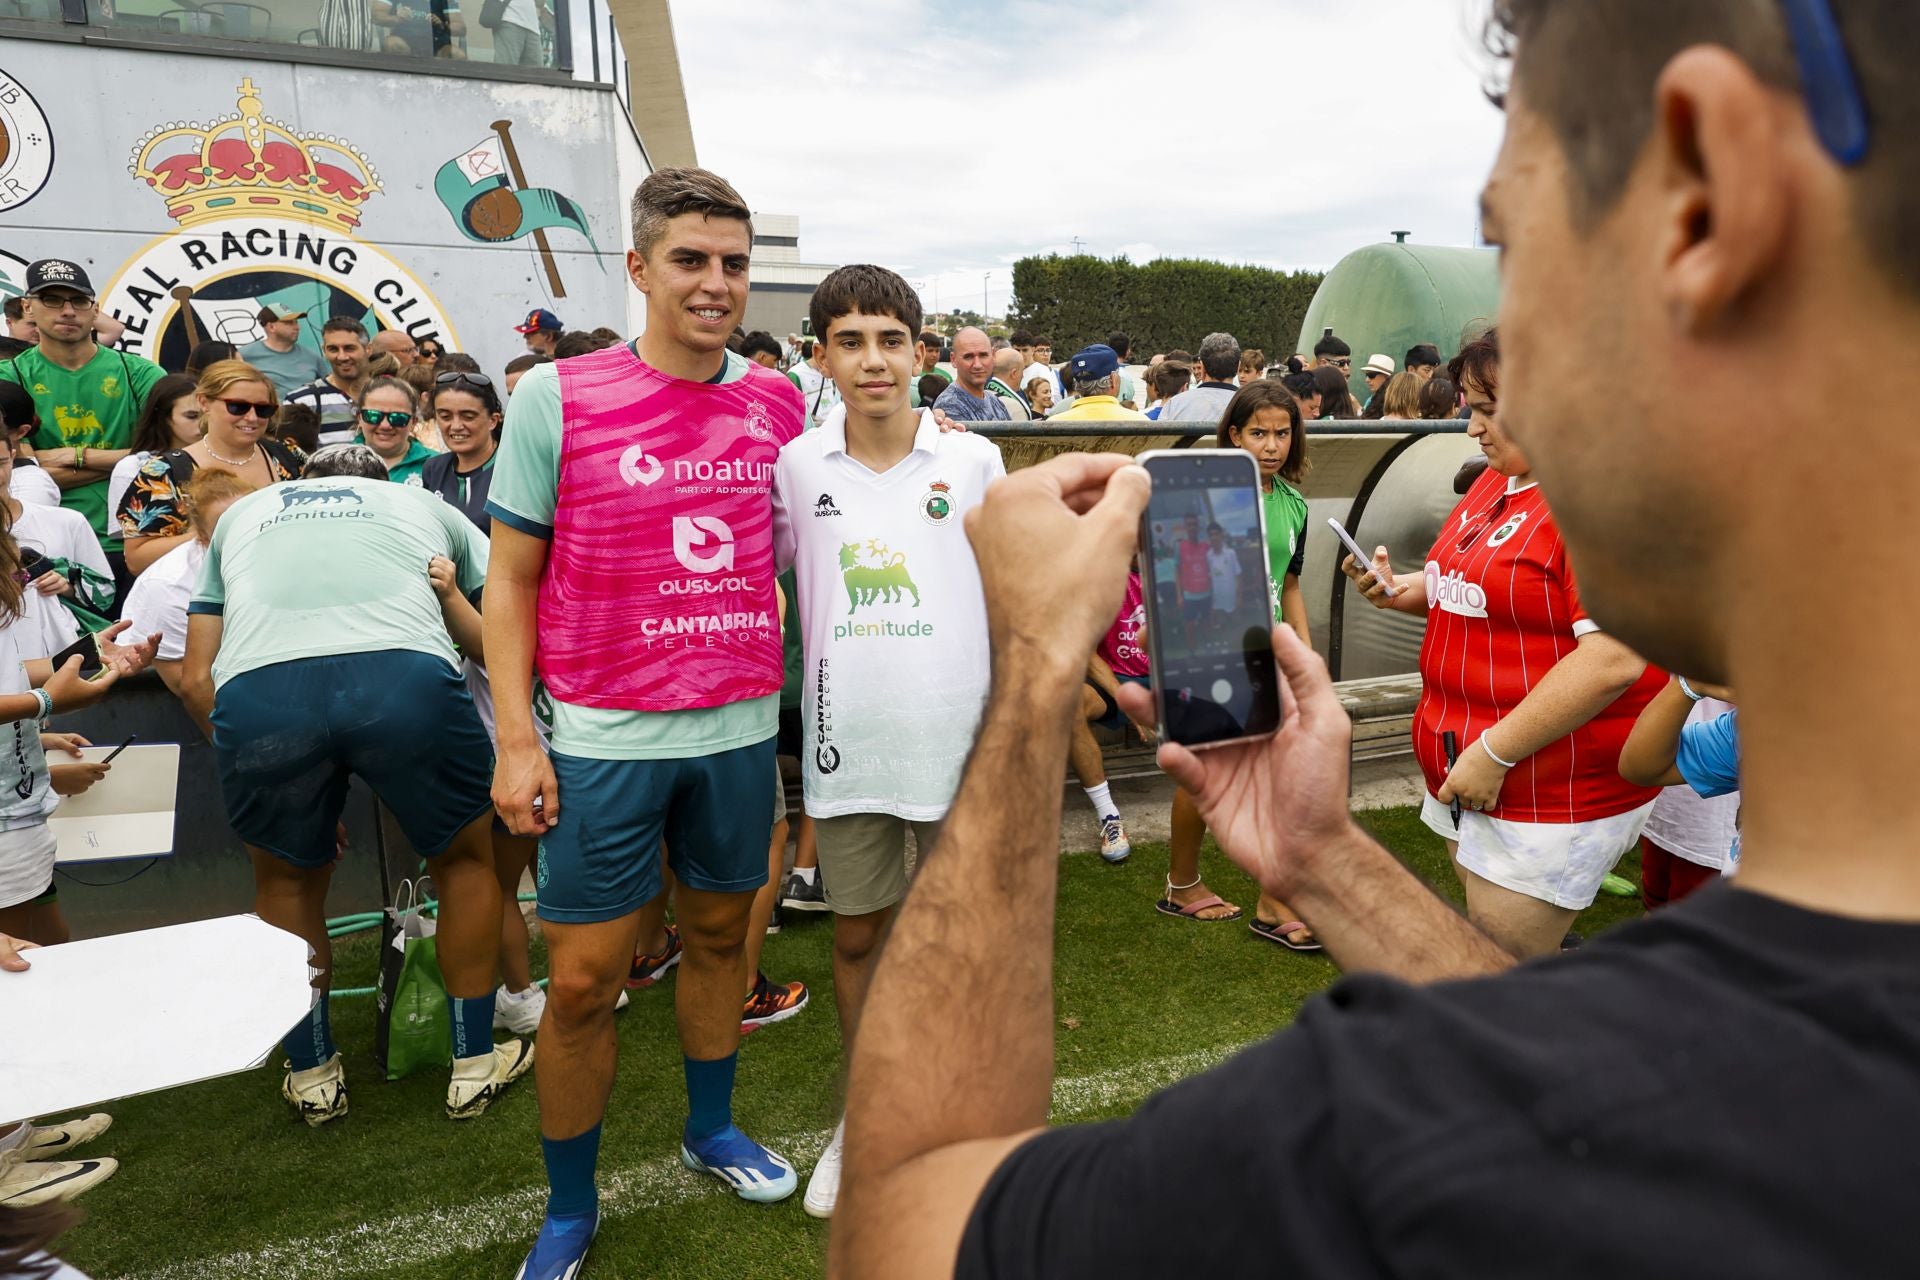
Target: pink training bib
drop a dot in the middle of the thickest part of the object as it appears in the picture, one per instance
(658, 593)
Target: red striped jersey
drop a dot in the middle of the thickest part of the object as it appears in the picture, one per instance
(1502, 609)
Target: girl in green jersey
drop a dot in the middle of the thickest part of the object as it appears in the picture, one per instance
(1264, 419)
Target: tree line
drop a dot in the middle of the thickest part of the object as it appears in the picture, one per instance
(1163, 305)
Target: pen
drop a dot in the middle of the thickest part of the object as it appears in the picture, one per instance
(1452, 745)
(132, 737)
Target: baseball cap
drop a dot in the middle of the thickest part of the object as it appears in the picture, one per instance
(56, 273)
(1096, 361)
(540, 320)
(1379, 364)
(279, 311)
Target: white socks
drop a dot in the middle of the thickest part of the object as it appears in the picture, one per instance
(1102, 800)
(807, 874)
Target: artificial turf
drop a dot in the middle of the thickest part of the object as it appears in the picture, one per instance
(219, 1180)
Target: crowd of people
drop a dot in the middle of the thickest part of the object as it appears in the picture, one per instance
(648, 612)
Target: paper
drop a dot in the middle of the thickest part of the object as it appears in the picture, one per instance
(101, 1019)
(127, 814)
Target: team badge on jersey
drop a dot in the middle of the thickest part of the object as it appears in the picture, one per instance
(936, 508)
(1507, 530)
(758, 424)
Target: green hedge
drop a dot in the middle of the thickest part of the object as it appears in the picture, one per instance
(1164, 305)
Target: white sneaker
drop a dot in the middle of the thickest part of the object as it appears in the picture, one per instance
(319, 1093)
(29, 1182)
(823, 1188)
(51, 1141)
(478, 1080)
(519, 1014)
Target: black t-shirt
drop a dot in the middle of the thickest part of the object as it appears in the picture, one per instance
(466, 490)
(1730, 1087)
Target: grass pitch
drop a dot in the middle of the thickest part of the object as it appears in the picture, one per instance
(218, 1181)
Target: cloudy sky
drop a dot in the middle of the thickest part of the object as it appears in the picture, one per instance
(949, 140)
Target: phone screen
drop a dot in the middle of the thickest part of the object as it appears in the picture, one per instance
(1203, 564)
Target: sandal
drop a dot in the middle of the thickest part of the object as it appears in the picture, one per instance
(1285, 933)
(1191, 911)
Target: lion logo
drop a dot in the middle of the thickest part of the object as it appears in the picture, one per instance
(297, 496)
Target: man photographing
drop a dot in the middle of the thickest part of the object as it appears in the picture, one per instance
(1740, 1069)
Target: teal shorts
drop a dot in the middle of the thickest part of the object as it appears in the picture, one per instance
(601, 861)
(287, 739)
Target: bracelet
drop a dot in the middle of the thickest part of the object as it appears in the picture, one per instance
(45, 700)
(1693, 694)
(80, 458)
(1504, 764)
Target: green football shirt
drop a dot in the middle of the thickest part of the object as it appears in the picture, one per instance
(94, 406)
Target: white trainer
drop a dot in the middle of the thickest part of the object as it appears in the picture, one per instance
(319, 1093)
(52, 1141)
(520, 1013)
(26, 1183)
(823, 1188)
(478, 1080)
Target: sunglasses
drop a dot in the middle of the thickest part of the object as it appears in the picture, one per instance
(454, 377)
(241, 408)
(59, 301)
(393, 417)
(1342, 364)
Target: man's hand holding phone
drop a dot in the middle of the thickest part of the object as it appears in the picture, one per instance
(1278, 804)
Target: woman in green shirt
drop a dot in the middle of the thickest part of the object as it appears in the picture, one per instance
(1264, 419)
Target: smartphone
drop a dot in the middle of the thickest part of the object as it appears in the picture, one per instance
(87, 647)
(32, 563)
(1203, 571)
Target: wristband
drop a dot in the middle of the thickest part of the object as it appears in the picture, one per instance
(1504, 764)
(45, 700)
(1693, 695)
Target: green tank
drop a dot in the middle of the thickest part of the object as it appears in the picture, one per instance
(1388, 297)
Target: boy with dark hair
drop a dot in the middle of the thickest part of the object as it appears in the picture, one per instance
(867, 510)
(762, 348)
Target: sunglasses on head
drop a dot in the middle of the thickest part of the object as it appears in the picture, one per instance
(454, 377)
(241, 408)
(393, 417)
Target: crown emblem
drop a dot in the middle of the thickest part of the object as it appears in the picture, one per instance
(247, 163)
(940, 486)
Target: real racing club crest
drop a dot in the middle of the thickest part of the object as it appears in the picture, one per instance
(758, 424)
(936, 507)
(265, 215)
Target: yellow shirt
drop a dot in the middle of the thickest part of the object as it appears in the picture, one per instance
(1098, 409)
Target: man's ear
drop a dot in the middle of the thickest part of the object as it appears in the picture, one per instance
(637, 270)
(1720, 147)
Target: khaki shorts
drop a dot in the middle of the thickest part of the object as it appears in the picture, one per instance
(863, 859)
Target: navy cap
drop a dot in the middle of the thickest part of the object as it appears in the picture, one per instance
(540, 321)
(57, 273)
(1097, 361)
